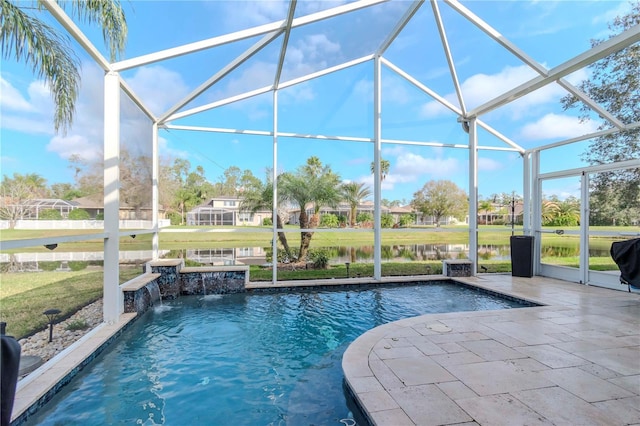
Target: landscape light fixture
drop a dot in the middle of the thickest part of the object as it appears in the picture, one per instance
(51, 316)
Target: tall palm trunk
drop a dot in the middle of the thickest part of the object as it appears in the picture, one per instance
(282, 237)
(305, 237)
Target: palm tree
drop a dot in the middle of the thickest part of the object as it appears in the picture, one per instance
(384, 168)
(259, 196)
(48, 52)
(312, 184)
(550, 211)
(485, 206)
(354, 193)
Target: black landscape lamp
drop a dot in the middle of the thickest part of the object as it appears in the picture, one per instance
(51, 316)
(347, 265)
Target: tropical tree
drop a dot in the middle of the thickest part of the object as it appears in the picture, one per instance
(27, 38)
(354, 193)
(614, 82)
(439, 199)
(192, 186)
(485, 206)
(384, 168)
(549, 211)
(15, 194)
(257, 196)
(312, 184)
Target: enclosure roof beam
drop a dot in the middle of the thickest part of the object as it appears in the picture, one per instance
(600, 51)
(524, 57)
(266, 89)
(77, 34)
(449, 105)
(399, 26)
(222, 73)
(136, 100)
(240, 35)
(285, 42)
(594, 135)
(447, 51)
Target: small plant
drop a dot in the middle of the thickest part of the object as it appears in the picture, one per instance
(79, 214)
(77, 324)
(329, 220)
(267, 221)
(320, 258)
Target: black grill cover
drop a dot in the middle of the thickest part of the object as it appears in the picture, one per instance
(627, 255)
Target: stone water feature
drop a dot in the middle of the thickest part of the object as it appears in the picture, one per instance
(170, 279)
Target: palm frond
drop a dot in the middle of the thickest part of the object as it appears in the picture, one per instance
(110, 16)
(40, 46)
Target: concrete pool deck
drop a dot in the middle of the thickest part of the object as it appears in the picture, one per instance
(575, 361)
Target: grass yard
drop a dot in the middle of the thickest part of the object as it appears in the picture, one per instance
(25, 296)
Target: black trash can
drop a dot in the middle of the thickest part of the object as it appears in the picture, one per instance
(522, 255)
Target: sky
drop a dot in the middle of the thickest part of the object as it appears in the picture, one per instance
(337, 104)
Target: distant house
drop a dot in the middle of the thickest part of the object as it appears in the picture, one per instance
(96, 209)
(223, 210)
(344, 209)
(33, 208)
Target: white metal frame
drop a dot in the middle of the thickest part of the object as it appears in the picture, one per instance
(271, 32)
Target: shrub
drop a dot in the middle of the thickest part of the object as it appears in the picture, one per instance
(267, 221)
(406, 220)
(329, 220)
(79, 214)
(320, 258)
(174, 217)
(77, 324)
(364, 217)
(50, 214)
(386, 221)
(100, 216)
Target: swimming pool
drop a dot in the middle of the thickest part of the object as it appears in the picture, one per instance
(244, 359)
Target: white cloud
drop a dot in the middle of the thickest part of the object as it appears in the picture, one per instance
(66, 146)
(413, 165)
(557, 126)
(620, 10)
(433, 109)
(12, 99)
(489, 164)
(31, 113)
(481, 88)
(158, 87)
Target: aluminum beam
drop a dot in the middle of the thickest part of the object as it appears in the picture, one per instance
(222, 73)
(524, 57)
(240, 35)
(76, 33)
(600, 51)
(377, 153)
(112, 304)
(447, 51)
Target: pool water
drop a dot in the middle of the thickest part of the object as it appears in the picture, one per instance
(243, 359)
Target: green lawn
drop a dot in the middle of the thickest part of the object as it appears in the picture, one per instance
(25, 296)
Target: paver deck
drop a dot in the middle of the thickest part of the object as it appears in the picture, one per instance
(574, 361)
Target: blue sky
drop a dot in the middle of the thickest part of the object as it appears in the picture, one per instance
(338, 104)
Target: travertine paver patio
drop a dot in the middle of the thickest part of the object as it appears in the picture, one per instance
(575, 361)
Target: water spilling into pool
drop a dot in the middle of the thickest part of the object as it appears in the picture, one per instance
(243, 359)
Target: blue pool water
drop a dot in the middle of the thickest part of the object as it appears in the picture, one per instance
(243, 359)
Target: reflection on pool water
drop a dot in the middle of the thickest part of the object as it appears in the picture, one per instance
(244, 359)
